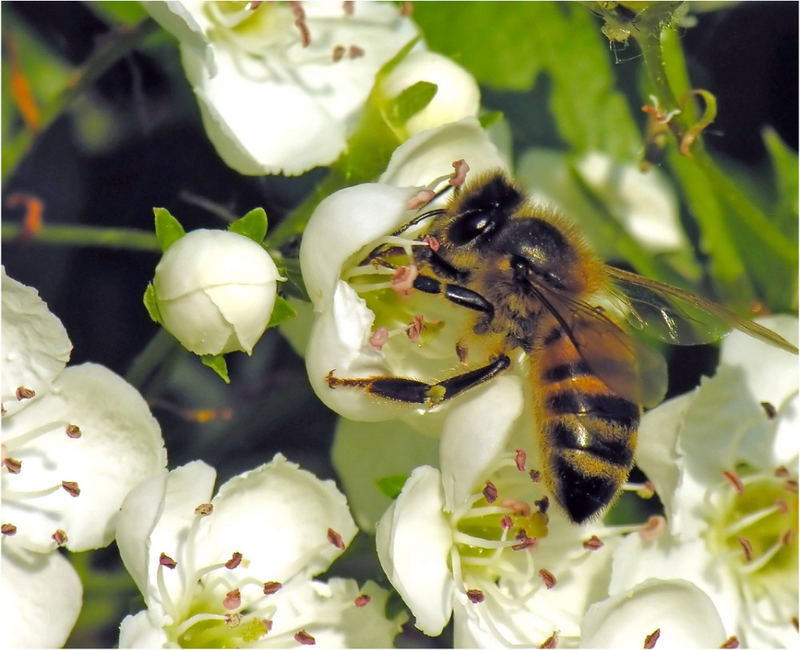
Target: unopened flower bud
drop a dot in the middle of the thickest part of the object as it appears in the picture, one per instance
(215, 291)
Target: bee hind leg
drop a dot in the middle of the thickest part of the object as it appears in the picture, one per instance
(412, 391)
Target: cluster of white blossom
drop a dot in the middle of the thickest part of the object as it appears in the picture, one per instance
(471, 536)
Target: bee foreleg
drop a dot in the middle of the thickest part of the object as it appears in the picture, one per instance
(412, 391)
(454, 293)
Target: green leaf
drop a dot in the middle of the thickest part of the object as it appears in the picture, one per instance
(217, 363)
(391, 486)
(561, 41)
(168, 228)
(410, 102)
(151, 303)
(493, 40)
(126, 13)
(785, 173)
(253, 225)
(281, 312)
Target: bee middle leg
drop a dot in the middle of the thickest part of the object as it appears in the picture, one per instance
(454, 293)
(412, 391)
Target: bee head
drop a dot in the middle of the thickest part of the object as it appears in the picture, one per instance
(481, 212)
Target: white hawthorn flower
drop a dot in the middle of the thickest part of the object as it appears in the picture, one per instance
(215, 291)
(479, 540)
(723, 459)
(74, 442)
(280, 85)
(351, 315)
(236, 570)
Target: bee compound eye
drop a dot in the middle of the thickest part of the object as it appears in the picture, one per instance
(471, 226)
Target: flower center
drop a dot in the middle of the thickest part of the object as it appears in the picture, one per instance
(507, 517)
(216, 607)
(757, 525)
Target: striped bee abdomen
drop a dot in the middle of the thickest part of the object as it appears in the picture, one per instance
(587, 432)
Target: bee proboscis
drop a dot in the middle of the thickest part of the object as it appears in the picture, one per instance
(529, 283)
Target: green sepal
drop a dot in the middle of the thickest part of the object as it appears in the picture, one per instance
(391, 486)
(253, 225)
(410, 102)
(281, 312)
(217, 363)
(151, 303)
(168, 228)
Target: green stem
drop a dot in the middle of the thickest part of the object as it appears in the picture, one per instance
(79, 235)
(650, 25)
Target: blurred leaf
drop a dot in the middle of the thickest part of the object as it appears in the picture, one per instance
(561, 40)
(168, 228)
(217, 363)
(253, 225)
(728, 274)
(126, 13)
(503, 57)
(281, 312)
(151, 303)
(391, 486)
(785, 173)
(410, 102)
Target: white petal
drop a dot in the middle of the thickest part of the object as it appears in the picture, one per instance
(279, 517)
(35, 346)
(328, 612)
(637, 560)
(138, 631)
(685, 616)
(187, 487)
(365, 452)
(340, 344)
(41, 597)
(155, 518)
(457, 94)
(414, 539)
(139, 513)
(475, 431)
(187, 22)
(429, 155)
(376, 27)
(656, 450)
(249, 120)
(342, 224)
(210, 258)
(367, 626)
(120, 444)
(771, 373)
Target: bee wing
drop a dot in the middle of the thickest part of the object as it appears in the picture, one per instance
(680, 317)
(628, 366)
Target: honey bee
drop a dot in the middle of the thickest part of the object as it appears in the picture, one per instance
(534, 290)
